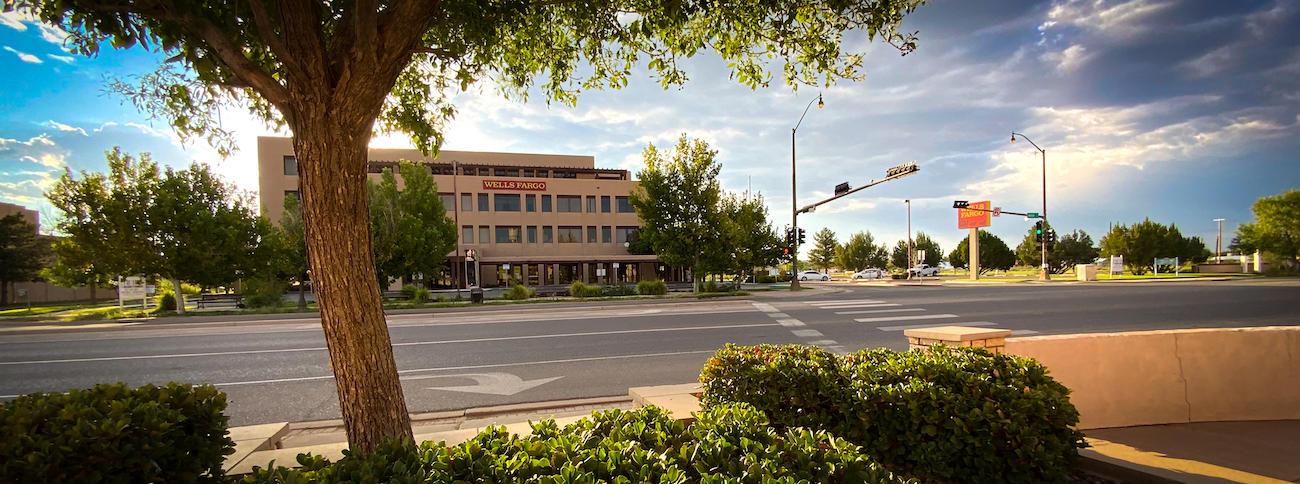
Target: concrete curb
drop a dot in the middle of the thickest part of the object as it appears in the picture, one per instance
(480, 412)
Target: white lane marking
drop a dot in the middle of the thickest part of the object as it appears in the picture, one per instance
(840, 301)
(1022, 332)
(905, 318)
(790, 323)
(778, 315)
(823, 342)
(807, 333)
(918, 326)
(765, 307)
(413, 343)
(828, 304)
(862, 305)
(474, 367)
(908, 310)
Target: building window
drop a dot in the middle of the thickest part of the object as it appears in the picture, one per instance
(468, 170)
(466, 202)
(625, 206)
(568, 203)
(528, 173)
(292, 193)
(508, 235)
(627, 234)
(565, 174)
(604, 204)
(606, 233)
(591, 235)
(506, 203)
(483, 172)
(290, 166)
(448, 201)
(435, 170)
(483, 202)
(546, 203)
(547, 237)
(530, 203)
(532, 234)
(467, 234)
(379, 167)
(542, 173)
(591, 204)
(499, 172)
(569, 235)
(484, 232)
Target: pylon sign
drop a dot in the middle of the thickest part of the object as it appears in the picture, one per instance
(973, 219)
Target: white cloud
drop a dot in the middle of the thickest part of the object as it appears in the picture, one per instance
(1117, 20)
(63, 127)
(67, 59)
(1068, 60)
(14, 20)
(52, 34)
(25, 57)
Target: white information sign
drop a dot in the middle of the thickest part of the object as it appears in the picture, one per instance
(131, 288)
(1116, 265)
(616, 265)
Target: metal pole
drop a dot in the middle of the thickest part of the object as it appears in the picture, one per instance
(794, 219)
(1218, 243)
(455, 213)
(1044, 276)
(909, 238)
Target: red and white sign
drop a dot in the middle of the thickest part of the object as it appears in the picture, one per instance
(537, 186)
(973, 219)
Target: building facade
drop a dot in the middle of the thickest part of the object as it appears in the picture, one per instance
(536, 219)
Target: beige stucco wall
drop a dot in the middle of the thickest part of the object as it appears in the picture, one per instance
(1175, 376)
(31, 216)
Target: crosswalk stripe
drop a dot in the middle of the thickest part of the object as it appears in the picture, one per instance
(907, 310)
(861, 305)
(1023, 332)
(905, 318)
(790, 323)
(832, 303)
(918, 326)
(807, 333)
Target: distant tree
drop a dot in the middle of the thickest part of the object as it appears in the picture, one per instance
(412, 233)
(861, 252)
(678, 200)
(933, 253)
(294, 255)
(1276, 228)
(1143, 242)
(994, 254)
(76, 266)
(1070, 250)
(750, 236)
(824, 248)
(23, 253)
(898, 256)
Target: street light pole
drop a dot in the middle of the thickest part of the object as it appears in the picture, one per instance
(1044, 275)
(794, 198)
(1218, 243)
(455, 213)
(910, 264)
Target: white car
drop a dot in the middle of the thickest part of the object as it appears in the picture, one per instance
(924, 270)
(868, 274)
(814, 275)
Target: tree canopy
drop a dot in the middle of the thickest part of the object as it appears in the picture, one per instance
(1276, 228)
(861, 252)
(1142, 243)
(678, 203)
(412, 233)
(749, 235)
(1070, 250)
(825, 246)
(23, 252)
(994, 254)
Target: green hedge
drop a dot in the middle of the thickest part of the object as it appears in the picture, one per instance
(730, 444)
(620, 289)
(652, 288)
(518, 292)
(947, 414)
(578, 289)
(115, 434)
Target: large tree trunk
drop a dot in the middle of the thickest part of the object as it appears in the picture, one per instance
(180, 296)
(332, 169)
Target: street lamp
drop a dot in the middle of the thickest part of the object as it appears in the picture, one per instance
(910, 264)
(1218, 243)
(1043, 276)
(794, 199)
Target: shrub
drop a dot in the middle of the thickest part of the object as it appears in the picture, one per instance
(420, 295)
(115, 434)
(727, 444)
(167, 301)
(765, 279)
(268, 293)
(408, 291)
(518, 292)
(710, 286)
(652, 288)
(577, 289)
(949, 414)
(619, 289)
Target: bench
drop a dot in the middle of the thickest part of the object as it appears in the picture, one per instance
(236, 300)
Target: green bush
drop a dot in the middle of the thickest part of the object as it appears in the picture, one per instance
(620, 289)
(710, 286)
(765, 279)
(420, 295)
(518, 292)
(115, 434)
(408, 291)
(729, 444)
(268, 293)
(166, 301)
(577, 289)
(947, 414)
(652, 288)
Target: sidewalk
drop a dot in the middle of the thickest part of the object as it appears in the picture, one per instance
(1206, 452)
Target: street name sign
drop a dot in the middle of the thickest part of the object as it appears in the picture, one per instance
(973, 219)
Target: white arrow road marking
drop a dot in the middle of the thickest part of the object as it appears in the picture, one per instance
(905, 318)
(489, 383)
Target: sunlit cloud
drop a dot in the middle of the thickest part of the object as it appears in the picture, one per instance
(63, 127)
(28, 58)
(62, 58)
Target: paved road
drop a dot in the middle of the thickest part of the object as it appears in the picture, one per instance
(280, 372)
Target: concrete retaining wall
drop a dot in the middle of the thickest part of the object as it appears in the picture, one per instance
(1176, 376)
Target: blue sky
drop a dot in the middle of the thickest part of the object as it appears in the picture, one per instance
(1180, 111)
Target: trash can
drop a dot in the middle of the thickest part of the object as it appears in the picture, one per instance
(476, 295)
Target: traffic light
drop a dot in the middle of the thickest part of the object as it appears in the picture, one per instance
(1038, 231)
(789, 238)
(1050, 238)
(800, 237)
(785, 251)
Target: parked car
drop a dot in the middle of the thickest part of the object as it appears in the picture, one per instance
(814, 275)
(923, 270)
(868, 274)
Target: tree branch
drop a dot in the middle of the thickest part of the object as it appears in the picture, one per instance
(273, 42)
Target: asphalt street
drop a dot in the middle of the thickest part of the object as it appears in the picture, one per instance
(279, 371)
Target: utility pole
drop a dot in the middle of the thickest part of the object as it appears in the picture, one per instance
(794, 198)
(910, 264)
(1218, 243)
